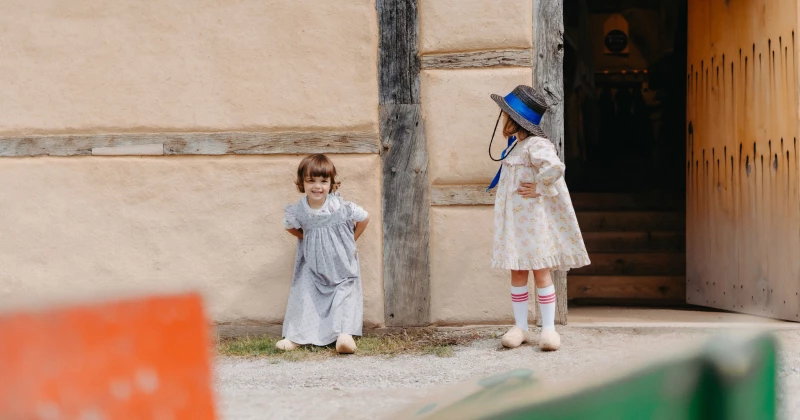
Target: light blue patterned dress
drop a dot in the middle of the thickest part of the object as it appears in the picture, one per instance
(325, 299)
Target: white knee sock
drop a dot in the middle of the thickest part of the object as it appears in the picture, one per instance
(547, 304)
(519, 300)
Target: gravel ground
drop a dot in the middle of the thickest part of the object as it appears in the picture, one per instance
(373, 387)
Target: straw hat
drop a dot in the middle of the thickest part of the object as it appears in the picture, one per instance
(525, 106)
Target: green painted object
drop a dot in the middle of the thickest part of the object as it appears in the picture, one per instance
(728, 378)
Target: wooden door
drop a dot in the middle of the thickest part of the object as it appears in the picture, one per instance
(743, 206)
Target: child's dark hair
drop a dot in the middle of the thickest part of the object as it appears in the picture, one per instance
(316, 165)
(511, 128)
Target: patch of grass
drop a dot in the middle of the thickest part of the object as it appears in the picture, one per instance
(403, 342)
(264, 346)
(249, 346)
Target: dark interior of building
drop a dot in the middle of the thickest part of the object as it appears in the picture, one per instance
(625, 95)
(624, 146)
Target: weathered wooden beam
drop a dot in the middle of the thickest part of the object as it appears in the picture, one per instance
(398, 52)
(548, 77)
(406, 208)
(461, 195)
(404, 157)
(156, 149)
(478, 59)
(222, 143)
(476, 195)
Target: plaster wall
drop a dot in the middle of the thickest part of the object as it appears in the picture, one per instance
(83, 227)
(89, 66)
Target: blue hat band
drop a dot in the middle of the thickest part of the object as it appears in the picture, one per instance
(522, 109)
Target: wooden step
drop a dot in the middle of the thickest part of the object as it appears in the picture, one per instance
(667, 201)
(632, 290)
(621, 242)
(645, 264)
(636, 221)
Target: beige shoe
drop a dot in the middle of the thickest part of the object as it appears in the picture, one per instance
(514, 337)
(345, 344)
(286, 345)
(549, 340)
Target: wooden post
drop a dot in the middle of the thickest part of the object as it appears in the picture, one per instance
(548, 78)
(406, 199)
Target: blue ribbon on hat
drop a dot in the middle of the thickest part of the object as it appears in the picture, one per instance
(502, 156)
(523, 109)
(525, 112)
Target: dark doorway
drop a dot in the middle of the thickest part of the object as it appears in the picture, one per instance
(625, 110)
(624, 146)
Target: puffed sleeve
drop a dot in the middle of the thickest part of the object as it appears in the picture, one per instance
(550, 168)
(357, 214)
(290, 217)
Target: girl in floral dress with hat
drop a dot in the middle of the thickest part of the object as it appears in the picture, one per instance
(535, 224)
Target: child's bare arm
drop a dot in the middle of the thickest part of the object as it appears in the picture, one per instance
(360, 227)
(296, 232)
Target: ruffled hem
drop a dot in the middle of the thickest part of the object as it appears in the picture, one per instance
(556, 262)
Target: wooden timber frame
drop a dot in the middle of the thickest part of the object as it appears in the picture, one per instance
(407, 196)
(548, 78)
(216, 143)
(404, 158)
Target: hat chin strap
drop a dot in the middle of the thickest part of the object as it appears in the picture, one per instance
(510, 146)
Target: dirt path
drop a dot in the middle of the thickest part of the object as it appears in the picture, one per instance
(371, 387)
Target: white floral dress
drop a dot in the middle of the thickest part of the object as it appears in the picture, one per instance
(535, 233)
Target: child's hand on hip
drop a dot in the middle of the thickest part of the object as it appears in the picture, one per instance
(527, 190)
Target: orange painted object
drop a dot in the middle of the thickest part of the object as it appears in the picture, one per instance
(143, 359)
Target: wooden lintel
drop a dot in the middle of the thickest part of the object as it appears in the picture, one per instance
(155, 149)
(219, 143)
(461, 195)
(478, 59)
